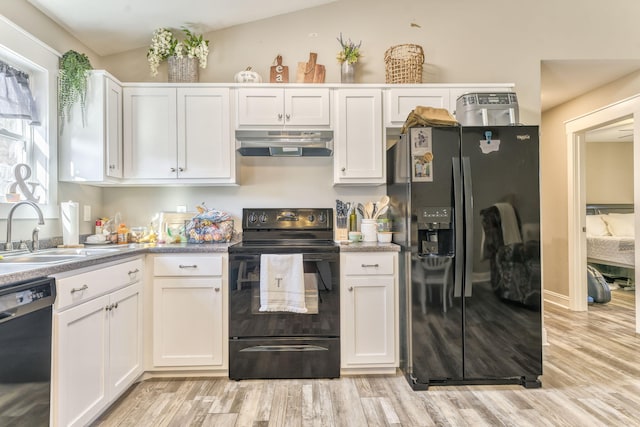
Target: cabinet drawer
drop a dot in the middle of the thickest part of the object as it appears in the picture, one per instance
(369, 264)
(187, 265)
(86, 286)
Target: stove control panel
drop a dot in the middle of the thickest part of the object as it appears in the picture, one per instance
(283, 219)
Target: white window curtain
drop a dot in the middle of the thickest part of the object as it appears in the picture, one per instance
(16, 100)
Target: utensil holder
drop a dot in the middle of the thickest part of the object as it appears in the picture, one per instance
(369, 230)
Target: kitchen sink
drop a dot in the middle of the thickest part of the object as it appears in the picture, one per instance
(52, 256)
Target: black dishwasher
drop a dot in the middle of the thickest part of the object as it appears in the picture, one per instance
(25, 351)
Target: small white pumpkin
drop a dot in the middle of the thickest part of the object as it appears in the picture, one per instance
(248, 76)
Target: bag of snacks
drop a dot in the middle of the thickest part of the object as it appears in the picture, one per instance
(210, 226)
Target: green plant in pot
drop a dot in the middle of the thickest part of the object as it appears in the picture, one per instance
(72, 83)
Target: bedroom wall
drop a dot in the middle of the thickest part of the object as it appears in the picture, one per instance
(609, 172)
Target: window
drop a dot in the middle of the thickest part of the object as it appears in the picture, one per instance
(27, 141)
(18, 151)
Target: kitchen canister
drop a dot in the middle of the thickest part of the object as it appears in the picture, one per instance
(369, 230)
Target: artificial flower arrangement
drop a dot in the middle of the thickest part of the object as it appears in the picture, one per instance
(164, 44)
(350, 51)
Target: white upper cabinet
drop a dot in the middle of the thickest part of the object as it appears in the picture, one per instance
(90, 147)
(178, 134)
(259, 107)
(400, 102)
(359, 150)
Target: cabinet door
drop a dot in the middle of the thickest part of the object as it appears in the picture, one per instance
(81, 144)
(205, 148)
(188, 322)
(400, 102)
(260, 106)
(359, 151)
(81, 360)
(150, 147)
(307, 107)
(368, 330)
(125, 338)
(113, 128)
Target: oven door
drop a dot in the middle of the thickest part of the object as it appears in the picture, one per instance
(322, 296)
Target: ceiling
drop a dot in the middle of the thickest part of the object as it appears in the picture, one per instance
(114, 26)
(563, 80)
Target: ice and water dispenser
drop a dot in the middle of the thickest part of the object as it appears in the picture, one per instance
(435, 231)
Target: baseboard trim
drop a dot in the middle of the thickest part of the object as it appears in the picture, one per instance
(556, 299)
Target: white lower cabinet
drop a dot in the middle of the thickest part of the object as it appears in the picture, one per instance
(369, 307)
(97, 340)
(190, 311)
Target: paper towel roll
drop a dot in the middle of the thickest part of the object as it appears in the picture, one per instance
(70, 222)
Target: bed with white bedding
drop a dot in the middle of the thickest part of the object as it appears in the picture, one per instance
(611, 240)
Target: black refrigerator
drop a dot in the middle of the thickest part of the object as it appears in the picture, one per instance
(465, 207)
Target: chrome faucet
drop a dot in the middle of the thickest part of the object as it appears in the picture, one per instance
(8, 246)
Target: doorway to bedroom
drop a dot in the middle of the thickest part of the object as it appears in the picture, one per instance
(608, 169)
(591, 164)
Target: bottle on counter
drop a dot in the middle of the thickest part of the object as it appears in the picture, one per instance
(123, 234)
(353, 221)
(98, 226)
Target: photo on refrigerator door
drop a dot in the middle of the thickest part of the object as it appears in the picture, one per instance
(421, 155)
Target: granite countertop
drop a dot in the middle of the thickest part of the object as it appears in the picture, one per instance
(368, 247)
(17, 272)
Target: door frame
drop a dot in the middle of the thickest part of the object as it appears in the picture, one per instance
(576, 194)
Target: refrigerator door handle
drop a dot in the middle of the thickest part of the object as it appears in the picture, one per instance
(458, 224)
(468, 220)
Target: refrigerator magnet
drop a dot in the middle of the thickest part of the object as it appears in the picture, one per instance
(489, 145)
(421, 155)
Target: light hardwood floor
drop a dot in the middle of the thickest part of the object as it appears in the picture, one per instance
(591, 378)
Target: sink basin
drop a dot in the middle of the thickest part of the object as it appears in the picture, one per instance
(38, 259)
(51, 256)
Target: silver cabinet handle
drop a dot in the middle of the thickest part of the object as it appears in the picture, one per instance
(350, 288)
(288, 116)
(180, 169)
(112, 166)
(80, 289)
(343, 169)
(173, 169)
(111, 306)
(188, 266)
(217, 289)
(130, 272)
(280, 116)
(370, 265)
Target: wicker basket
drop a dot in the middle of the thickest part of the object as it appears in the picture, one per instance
(403, 64)
(183, 69)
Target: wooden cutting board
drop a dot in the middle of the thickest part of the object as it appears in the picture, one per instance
(311, 71)
(279, 73)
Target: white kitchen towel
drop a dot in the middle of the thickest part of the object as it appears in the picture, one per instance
(282, 283)
(69, 212)
(509, 222)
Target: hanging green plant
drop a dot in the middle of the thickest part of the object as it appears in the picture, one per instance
(72, 83)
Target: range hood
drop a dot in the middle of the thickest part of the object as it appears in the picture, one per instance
(285, 143)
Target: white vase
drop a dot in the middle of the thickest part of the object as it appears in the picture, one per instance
(347, 72)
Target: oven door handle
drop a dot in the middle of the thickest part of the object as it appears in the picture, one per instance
(283, 347)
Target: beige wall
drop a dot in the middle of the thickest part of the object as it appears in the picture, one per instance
(465, 41)
(609, 172)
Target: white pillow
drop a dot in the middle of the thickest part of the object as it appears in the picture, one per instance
(596, 226)
(620, 224)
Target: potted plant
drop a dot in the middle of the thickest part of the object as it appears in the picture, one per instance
(348, 56)
(72, 83)
(164, 45)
